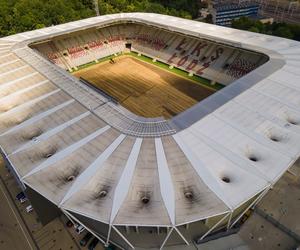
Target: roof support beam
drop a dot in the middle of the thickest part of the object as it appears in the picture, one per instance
(125, 179)
(14, 70)
(167, 237)
(30, 102)
(69, 215)
(21, 91)
(51, 132)
(92, 169)
(165, 180)
(9, 62)
(9, 83)
(124, 183)
(252, 204)
(38, 117)
(4, 52)
(201, 170)
(123, 237)
(217, 224)
(6, 55)
(65, 152)
(181, 235)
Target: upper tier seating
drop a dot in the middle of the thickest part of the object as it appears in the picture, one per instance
(216, 62)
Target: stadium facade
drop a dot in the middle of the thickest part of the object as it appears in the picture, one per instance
(149, 182)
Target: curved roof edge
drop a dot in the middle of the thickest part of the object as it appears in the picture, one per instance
(248, 134)
(240, 39)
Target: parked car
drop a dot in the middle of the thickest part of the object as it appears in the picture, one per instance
(79, 229)
(20, 195)
(93, 244)
(22, 200)
(29, 209)
(85, 239)
(69, 223)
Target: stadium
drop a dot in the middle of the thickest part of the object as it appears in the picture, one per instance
(149, 130)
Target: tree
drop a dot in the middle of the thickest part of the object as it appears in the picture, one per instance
(254, 29)
(283, 32)
(23, 15)
(290, 31)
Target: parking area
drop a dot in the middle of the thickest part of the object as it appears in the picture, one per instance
(275, 223)
(22, 230)
(13, 232)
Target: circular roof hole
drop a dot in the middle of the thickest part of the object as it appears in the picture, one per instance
(71, 178)
(145, 199)
(274, 138)
(188, 195)
(291, 121)
(102, 193)
(48, 155)
(226, 179)
(253, 158)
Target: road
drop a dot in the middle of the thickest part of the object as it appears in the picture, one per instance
(13, 233)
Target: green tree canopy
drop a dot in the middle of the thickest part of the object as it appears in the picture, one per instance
(291, 31)
(23, 15)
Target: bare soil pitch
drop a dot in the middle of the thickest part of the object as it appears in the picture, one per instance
(145, 89)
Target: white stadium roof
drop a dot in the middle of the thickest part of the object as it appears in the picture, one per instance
(53, 127)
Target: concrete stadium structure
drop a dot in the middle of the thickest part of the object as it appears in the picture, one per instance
(149, 182)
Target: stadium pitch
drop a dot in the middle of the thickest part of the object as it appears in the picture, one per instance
(143, 88)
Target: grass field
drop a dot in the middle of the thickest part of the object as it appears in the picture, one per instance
(143, 88)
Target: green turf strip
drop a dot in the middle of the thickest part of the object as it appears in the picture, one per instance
(195, 78)
(198, 79)
(86, 65)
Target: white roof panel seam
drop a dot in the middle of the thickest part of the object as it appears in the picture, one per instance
(274, 102)
(51, 132)
(290, 105)
(30, 102)
(200, 168)
(92, 169)
(22, 91)
(123, 185)
(7, 84)
(38, 117)
(14, 70)
(165, 180)
(10, 62)
(66, 151)
(253, 135)
(270, 118)
(231, 156)
(285, 84)
(6, 55)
